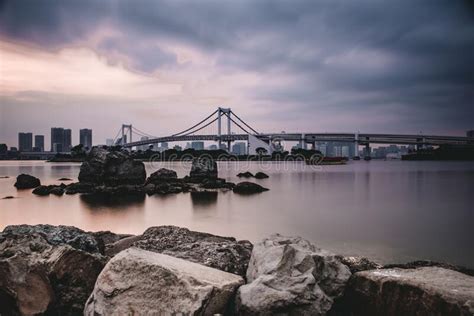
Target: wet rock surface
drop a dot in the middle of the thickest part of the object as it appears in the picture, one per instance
(46, 269)
(111, 168)
(223, 253)
(25, 181)
(357, 264)
(290, 276)
(248, 188)
(203, 168)
(161, 175)
(421, 291)
(146, 283)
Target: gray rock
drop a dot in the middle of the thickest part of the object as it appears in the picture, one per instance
(246, 174)
(162, 174)
(139, 282)
(111, 168)
(422, 291)
(203, 168)
(223, 253)
(248, 188)
(79, 187)
(41, 190)
(261, 175)
(25, 181)
(357, 264)
(290, 276)
(40, 273)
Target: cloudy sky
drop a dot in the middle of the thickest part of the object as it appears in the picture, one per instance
(400, 66)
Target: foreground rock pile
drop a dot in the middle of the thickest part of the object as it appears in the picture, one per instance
(112, 173)
(61, 270)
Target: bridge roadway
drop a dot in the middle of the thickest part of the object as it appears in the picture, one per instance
(309, 138)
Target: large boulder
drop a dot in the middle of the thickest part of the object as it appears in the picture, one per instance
(290, 276)
(421, 291)
(111, 168)
(203, 168)
(223, 253)
(140, 282)
(162, 175)
(47, 269)
(25, 181)
(248, 188)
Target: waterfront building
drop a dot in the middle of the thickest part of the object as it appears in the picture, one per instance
(239, 148)
(197, 145)
(67, 140)
(25, 141)
(39, 142)
(85, 138)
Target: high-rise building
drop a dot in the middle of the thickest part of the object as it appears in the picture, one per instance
(25, 141)
(67, 143)
(57, 138)
(239, 148)
(85, 138)
(470, 133)
(197, 145)
(39, 142)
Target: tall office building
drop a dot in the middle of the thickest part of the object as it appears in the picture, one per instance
(67, 143)
(85, 138)
(39, 142)
(60, 139)
(57, 138)
(239, 148)
(197, 145)
(25, 141)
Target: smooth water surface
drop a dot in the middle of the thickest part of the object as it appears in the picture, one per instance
(391, 211)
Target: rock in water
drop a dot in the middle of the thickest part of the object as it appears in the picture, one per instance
(223, 253)
(248, 188)
(422, 291)
(161, 175)
(111, 168)
(261, 175)
(25, 181)
(289, 275)
(246, 174)
(139, 282)
(46, 270)
(203, 168)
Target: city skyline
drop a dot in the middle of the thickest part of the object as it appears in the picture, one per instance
(304, 66)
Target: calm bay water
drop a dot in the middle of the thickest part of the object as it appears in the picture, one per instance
(391, 211)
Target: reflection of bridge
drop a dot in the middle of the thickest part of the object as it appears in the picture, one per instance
(250, 135)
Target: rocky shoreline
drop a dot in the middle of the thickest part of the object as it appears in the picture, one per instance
(63, 270)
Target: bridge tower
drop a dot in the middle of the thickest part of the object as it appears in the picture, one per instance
(227, 112)
(124, 139)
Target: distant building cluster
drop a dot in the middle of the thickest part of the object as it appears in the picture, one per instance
(61, 140)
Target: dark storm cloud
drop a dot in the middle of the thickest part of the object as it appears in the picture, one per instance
(398, 55)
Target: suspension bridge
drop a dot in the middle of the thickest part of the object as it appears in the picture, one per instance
(238, 130)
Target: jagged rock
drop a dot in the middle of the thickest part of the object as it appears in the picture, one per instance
(223, 253)
(248, 188)
(57, 235)
(111, 168)
(246, 174)
(203, 168)
(141, 282)
(57, 190)
(45, 270)
(106, 239)
(290, 276)
(25, 181)
(421, 291)
(162, 174)
(429, 263)
(41, 190)
(261, 175)
(79, 187)
(357, 264)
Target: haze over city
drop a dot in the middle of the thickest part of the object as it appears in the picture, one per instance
(299, 66)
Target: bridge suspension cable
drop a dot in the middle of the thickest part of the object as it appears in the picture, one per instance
(233, 113)
(204, 126)
(192, 127)
(141, 133)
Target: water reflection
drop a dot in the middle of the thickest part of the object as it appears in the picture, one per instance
(98, 201)
(203, 199)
